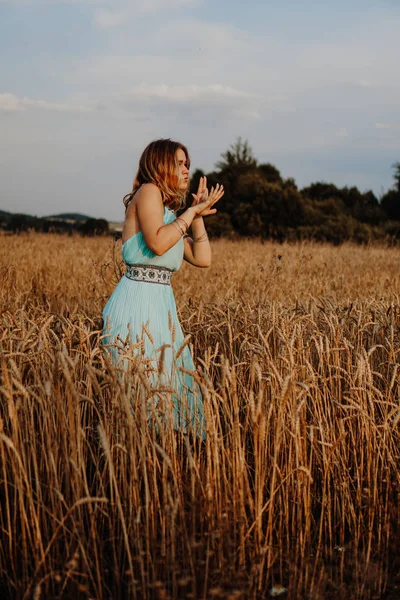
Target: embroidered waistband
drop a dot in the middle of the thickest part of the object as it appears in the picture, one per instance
(149, 274)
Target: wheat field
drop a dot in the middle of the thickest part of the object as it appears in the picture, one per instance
(295, 491)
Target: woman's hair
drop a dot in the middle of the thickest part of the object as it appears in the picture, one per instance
(158, 165)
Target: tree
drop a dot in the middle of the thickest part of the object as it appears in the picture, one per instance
(20, 222)
(265, 209)
(239, 155)
(270, 173)
(396, 176)
(236, 161)
(259, 202)
(321, 191)
(94, 227)
(368, 210)
(390, 203)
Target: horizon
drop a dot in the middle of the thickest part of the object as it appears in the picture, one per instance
(83, 214)
(82, 96)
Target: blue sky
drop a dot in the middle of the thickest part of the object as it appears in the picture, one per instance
(86, 84)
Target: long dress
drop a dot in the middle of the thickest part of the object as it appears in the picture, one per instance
(141, 321)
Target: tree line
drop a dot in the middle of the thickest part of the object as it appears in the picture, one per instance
(259, 202)
(20, 222)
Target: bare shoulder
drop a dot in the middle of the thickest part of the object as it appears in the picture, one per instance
(148, 192)
(149, 204)
(144, 206)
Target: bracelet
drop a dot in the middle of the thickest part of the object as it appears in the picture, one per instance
(185, 225)
(178, 227)
(182, 219)
(202, 238)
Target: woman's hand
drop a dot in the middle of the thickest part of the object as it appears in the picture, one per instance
(202, 191)
(205, 200)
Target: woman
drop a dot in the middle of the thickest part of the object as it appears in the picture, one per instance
(140, 317)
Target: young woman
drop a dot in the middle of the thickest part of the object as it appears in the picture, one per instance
(140, 317)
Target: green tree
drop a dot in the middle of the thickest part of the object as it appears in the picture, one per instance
(270, 173)
(238, 156)
(390, 202)
(20, 222)
(94, 227)
(321, 190)
(265, 209)
(396, 176)
(368, 210)
(258, 201)
(236, 161)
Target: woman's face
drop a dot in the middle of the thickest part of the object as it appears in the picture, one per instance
(183, 171)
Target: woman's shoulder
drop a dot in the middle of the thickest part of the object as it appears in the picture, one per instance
(148, 189)
(147, 193)
(148, 197)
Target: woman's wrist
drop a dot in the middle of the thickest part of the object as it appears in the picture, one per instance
(189, 215)
(201, 238)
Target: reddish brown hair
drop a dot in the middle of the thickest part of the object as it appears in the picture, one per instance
(158, 165)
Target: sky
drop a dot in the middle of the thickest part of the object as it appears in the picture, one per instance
(85, 85)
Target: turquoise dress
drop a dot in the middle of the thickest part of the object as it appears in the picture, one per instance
(141, 322)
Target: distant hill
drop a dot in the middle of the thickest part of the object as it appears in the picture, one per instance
(60, 223)
(5, 216)
(78, 217)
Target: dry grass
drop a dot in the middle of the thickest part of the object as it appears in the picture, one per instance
(298, 481)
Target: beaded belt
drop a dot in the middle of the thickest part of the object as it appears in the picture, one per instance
(149, 273)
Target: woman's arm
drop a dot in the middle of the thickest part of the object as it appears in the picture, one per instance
(198, 249)
(148, 209)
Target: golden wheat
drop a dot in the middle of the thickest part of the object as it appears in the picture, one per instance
(297, 483)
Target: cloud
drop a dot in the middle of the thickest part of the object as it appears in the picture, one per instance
(387, 126)
(138, 99)
(189, 93)
(150, 101)
(388, 134)
(190, 65)
(11, 103)
(200, 101)
(129, 7)
(153, 6)
(194, 103)
(50, 2)
(366, 83)
(107, 19)
(123, 11)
